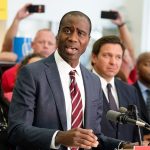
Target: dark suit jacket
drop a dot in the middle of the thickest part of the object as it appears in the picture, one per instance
(38, 107)
(4, 145)
(144, 112)
(127, 95)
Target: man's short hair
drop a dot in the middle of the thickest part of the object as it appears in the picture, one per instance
(143, 57)
(75, 13)
(112, 39)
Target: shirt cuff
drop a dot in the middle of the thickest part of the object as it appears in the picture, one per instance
(53, 146)
(120, 145)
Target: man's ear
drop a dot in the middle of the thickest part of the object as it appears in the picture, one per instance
(32, 43)
(93, 58)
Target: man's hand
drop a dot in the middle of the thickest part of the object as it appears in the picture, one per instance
(78, 137)
(119, 20)
(23, 12)
(147, 137)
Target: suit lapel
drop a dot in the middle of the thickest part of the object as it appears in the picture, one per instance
(141, 101)
(105, 103)
(106, 108)
(56, 87)
(122, 96)
(87, 85)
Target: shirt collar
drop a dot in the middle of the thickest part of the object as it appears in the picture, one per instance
(142, 86)
(103, 81)
(60, 62)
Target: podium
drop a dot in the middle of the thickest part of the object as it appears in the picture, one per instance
(139, 148)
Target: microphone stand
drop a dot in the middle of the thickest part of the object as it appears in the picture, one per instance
(140, 137)
(135, 112)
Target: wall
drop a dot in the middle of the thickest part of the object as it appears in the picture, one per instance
(146, 27)
(55, 10)
(135, 14)
(2, 31)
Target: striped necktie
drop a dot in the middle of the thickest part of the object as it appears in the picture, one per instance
(77, 112)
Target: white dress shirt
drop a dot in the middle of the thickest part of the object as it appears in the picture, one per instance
(64, 68)
(143, 89)
(104, 88)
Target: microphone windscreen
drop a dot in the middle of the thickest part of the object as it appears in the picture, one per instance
(113, 115)
(123, 110)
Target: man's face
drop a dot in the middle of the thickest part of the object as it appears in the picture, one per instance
(44, 43)
(108, 62)
(144, 71)
(73, 38)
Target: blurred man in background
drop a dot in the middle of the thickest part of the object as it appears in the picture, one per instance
(143, 88)
(44, 41)
(44, 44)
(107, 57)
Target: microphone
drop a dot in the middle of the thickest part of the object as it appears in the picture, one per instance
(124, 119)
(132, 111)
(123, 110)
(127, 112)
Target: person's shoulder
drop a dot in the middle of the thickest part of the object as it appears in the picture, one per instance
(33, 70)
(124, 85)
(11, 70)
(89, 73)
(39, 66)
(39, 63)
(135, 84)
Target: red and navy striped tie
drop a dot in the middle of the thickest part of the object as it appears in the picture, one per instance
(77, 112)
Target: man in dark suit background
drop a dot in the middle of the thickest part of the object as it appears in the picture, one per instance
(107, 54)
(142, 85)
